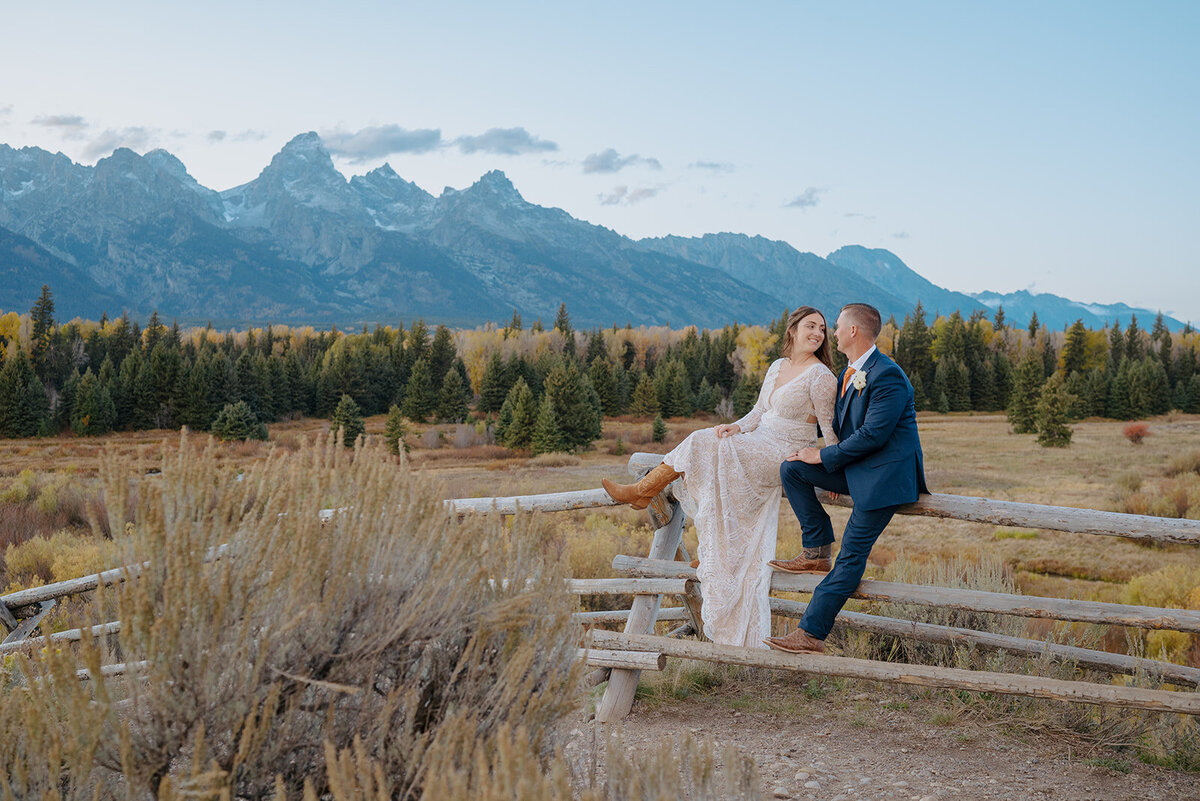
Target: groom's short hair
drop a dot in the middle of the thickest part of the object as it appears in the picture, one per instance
(865, 317)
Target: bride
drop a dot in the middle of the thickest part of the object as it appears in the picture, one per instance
(733, 490)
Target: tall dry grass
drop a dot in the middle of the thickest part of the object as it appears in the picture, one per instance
(374, 656)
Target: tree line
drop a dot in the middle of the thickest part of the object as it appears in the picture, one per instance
(542, 389)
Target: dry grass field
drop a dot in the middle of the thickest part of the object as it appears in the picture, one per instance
(47, 485)
(52, 508)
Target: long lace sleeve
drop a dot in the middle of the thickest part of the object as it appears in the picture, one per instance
(824, 395)
(752, 418)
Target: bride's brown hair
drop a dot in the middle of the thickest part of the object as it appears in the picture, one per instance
(789, 338)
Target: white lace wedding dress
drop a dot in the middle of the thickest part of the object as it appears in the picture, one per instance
(733, 492)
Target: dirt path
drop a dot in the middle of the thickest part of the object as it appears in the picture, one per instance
(867, 746)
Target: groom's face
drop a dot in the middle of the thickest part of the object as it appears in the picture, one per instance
(844, 332)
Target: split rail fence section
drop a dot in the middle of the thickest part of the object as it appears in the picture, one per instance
(665, 571)
(668, 559)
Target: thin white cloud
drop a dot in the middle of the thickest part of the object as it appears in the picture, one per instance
(711, 166)
(216, 136)
(70, 126)
(607, 161)
(624, 196)
(381, 141)
(505, 142)
(860, 215)
(806, 199)
(135, 138)
(900, 235)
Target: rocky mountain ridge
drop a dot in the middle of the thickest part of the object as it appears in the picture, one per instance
(301, 243)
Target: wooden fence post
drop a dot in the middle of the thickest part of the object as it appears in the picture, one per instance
(622, 684)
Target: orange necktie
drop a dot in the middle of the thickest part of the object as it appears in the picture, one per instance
(850, 371)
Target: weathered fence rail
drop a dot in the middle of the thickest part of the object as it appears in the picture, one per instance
(1147, 617)
(923, 675)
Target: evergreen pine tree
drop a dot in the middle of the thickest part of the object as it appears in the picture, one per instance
(547, 436)
(658, 431)
(1027, 389)
(419, 399)
(65, 404)
(600, 373)
(1002, 371)
(1051, 415)
(494, 386)
(745, 395)
(576, 406)
(998, 320)
(416, 344)
(1191, 403)
(514, 325)
(956, 383)
(41, 330)
(1034, 326)
(562, 324)
(1116, 347)
(1118, 393)
(93, 412)
(24, 407)
(519, 416)
(237, 421)
(1074, 353)
(348, 418)
(1095, 393)
(645, 398)
(441, 353)
(452, 400)
(395, 431)
(1076, 389)
(596, 348)
(707, 397)
(1133, 340)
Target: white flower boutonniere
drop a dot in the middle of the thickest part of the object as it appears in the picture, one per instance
(859, 381)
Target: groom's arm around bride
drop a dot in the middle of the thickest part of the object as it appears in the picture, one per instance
(877, 461)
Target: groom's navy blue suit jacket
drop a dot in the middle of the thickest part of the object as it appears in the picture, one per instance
(878, 447)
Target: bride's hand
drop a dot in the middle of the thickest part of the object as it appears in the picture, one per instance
(727, 430)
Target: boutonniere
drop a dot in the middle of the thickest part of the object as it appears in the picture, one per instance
(859, 380)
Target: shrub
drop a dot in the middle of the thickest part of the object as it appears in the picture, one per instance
(373, 645)
(1184, 463)
(1136, 432)
(237, 421)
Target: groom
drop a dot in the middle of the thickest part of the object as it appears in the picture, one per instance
(877, 462)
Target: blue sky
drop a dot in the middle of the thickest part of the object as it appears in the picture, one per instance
(1004, 146)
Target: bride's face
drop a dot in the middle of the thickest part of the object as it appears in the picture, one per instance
(808, 335)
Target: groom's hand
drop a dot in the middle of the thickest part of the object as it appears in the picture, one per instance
(806, 455)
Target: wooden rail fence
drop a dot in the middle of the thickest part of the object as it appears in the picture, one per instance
(665, 571)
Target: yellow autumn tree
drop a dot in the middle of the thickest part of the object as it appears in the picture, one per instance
(754, 342)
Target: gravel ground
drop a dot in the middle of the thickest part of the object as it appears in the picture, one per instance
(868, 749)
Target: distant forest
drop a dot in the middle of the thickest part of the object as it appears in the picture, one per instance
(554, 385)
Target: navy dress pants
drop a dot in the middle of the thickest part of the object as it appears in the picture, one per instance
(800, 482)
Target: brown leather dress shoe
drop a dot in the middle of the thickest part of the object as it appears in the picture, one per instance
(802, 564)
(798, 642)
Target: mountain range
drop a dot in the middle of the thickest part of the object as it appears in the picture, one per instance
(301, 244)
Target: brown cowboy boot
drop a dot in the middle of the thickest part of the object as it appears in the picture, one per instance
(810, 560)
(798, 642)
(639, 494)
